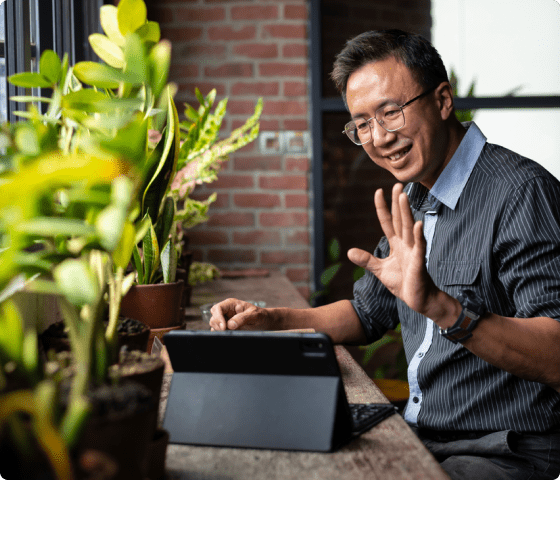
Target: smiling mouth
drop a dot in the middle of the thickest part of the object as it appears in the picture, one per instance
(399, 155)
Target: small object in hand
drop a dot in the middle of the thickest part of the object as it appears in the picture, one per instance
(207, 314)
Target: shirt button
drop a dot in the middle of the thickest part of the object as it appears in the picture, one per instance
(420, 354)
(415, 400)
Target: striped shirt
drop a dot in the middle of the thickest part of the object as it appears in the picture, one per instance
(492, 224)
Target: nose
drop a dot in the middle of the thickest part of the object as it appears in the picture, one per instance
(379, 135)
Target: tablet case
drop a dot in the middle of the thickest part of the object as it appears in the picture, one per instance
(257, 390)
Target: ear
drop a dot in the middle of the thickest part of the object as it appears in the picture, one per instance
(444, 98)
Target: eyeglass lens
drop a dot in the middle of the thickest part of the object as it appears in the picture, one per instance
(390, 117)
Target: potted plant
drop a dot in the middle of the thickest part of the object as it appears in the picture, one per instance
(71, 180)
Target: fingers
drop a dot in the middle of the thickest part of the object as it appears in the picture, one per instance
(396, 210)
(361, 258)
(223, 311)
(383, 214)
(407, 220)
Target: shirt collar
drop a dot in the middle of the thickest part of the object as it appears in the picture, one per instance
(450, 184)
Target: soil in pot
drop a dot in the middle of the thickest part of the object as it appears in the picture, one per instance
(131, 333)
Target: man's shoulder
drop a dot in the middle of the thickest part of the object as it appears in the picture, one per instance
(504, 165)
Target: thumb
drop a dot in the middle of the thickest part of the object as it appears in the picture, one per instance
(360, 257)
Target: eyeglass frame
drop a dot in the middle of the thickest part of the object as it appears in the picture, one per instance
(401, 107)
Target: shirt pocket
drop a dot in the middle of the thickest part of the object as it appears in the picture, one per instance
(458, 273)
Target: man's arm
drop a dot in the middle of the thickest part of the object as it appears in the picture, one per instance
(528, 348)
(338, 320)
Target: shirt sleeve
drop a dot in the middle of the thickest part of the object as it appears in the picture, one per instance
(375, 306)
(528, 248)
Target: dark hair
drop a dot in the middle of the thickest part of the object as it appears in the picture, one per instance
(412, 50)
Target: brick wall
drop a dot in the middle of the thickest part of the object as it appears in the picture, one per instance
(248, 49)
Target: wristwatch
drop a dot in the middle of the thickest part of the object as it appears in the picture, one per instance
(473, 309)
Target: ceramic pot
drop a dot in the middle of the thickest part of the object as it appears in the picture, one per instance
(155, 305)
(158, 451)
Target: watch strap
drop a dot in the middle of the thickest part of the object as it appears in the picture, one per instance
(462, 329)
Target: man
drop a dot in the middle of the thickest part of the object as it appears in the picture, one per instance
(469, 265)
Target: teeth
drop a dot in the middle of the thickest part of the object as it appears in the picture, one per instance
(399, 155)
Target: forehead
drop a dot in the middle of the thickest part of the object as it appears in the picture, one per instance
(376, 82)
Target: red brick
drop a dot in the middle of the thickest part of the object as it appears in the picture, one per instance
(184, 70)
(258, 237)
(283, 182)
(199, 237)
(294, 50)
(283, 69)
(282, 31)
(256, 200)
(197, 50)
(255, 88)
(256, 50)
(298, 238)
(231, 255)
(304, 291)
(264, 163)
(229, 70)
(297, 201)
(283, 219)
(200, 15)
(226, 181)
(231, 33)
(296, 124)
(264, 124)
(188, 87)
(235, 107)
(254, 12)
(295, 11)
(293, 89)
(298, 274)
(296, 164)
(179, 34)
(285, 107)
(231, 219)
(281, 257)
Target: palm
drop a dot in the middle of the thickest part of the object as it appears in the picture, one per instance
(403, 272)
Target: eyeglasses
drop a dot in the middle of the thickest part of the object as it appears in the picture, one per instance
(390, 116)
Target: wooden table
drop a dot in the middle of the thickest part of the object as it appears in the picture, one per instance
(388, 451)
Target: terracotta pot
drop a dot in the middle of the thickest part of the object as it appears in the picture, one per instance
(160, 332)
(155, 305)
(183, 274)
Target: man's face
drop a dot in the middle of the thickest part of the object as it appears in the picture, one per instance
(420, 150)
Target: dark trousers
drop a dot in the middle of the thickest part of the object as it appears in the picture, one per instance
(505, 455)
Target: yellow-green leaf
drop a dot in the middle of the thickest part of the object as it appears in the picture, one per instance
(29, 80)
(98, 75)
(106, 50)
(110, 24)
(150, 32)
(50, 66)
(131, 15)
(123, 252)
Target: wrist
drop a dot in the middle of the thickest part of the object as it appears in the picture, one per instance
(445, 310)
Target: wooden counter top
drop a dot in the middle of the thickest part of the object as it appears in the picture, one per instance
(388, 451)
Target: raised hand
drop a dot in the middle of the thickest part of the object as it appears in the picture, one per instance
(404, 271)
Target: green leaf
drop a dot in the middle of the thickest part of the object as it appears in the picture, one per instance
(30, 99)
(110, 24)
(164, 173)
(26, 141)
(334, 250)
(109, 225)
(106, 50)
(169, 261)
(138, 264)
(149, 32)
(77, 282)
(98, 75)
(11, 331)
(159, 60)
(29, 80)
(136, 64)
(330, 273)
(123, 251)
(82, 100)
(151, 254)
(131, 15)
(51, 227)
(165, 221)
(50, 66)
